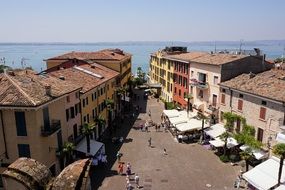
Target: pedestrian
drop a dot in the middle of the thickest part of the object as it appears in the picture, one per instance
(149, 142)
(129, 186)
(129, 171)
(119, 155)
(149, 113)
(164, 151)
(137, 179)
(121, 168)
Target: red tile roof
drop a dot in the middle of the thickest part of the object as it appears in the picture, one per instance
(26, 88)
(270, 84)
(106, 54)
(87, 76)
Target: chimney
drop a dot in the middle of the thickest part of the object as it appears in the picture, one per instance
(48, 90)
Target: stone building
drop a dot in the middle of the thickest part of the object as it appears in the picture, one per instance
(260, 99)
(29, 174)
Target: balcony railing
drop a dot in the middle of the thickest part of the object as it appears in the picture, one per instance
(52, 128)
(198, 84)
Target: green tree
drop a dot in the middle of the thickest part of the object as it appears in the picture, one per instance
(68, 149)
(3, 67)
(121, 92)
(110, 107)
(87, 130)
(279, 150)
(100, 121)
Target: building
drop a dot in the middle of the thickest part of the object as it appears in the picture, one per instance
(98, 85)
(260, 99)
(114, 59)
(181, 75)
(162, 70)
(29, 174)
(33, 122)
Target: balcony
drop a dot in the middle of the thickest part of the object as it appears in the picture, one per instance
(52, 128)
(199, 84)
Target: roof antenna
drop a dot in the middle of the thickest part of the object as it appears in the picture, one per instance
(240, 44)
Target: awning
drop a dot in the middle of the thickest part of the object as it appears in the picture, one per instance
(281, 187)
(171, 113)
(280, 137)
(95, 147)
(257, 153)
(177, 120)
(192, 124)
(265, 175)
(231, 142)
(215, 130)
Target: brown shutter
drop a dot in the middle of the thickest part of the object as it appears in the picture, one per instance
(262, 113)
(223, 99)
(240, 104)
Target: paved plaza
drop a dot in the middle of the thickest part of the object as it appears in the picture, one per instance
(186, 166)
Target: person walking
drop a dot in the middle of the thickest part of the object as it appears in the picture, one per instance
(137, 179)
(119, 155)
(164, 151)
(149, 142)
(129, 171)
(149, 113)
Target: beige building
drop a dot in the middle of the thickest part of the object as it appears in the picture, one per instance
(33, 119)
(260, 99)
(98, 84)
(115, 59)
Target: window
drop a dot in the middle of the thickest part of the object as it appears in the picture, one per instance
(201, 94)
(86, 100)
(72, 112)
(98, 93)
(76, 109)
(223, 98)
(262, 113)
(223, 90)
(260, 134)
(214, 104)
(202, 77)
(24, 150)
(263, 103)
(216, 79)
(240, 104)
(240, 95)
(92, 97)
(84, 119)
(21, 123)
(87, 118)
(83, 103)
(175, 90)
(67, 114)
(101, 91)
(67, 98)
(93, 113)
(95, 95)
(179, 92)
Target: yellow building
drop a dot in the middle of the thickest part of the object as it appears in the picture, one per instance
(33, 118)
(98, 84)
(114, 59)
(161, 72)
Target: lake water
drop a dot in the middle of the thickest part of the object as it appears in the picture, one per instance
(34, 54)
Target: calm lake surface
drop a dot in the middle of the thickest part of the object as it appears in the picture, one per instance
(34, 54)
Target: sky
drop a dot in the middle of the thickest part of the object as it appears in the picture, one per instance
(141, 20)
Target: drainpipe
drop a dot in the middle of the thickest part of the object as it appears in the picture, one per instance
(4, 134)
(231, 100)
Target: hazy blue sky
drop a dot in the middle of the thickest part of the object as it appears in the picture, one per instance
(140, 20)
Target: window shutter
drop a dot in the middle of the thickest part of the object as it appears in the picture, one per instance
(223, 99)
(240, 104)
(262, 113)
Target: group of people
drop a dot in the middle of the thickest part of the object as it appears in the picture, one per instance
(128, 175)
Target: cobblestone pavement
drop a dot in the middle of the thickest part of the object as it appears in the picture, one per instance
(186, 166)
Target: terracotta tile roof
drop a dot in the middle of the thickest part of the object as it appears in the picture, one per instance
(26, 88)
(270, 84)
(85, 75)
(186, 56)
(29, 172)
(218, 58)
(106, 54)
(72, 175)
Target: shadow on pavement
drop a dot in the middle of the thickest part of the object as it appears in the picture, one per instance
(98, 174)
